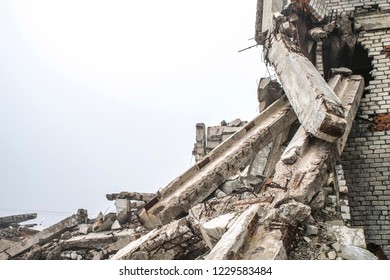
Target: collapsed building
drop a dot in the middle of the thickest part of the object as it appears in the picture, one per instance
(308, 178)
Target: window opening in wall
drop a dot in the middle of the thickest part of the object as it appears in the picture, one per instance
(361, 64)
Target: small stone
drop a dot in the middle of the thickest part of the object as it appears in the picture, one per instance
(138, 229)
(311, 230)
(344, 202)
(294, 211)
(344, 209)
(307, 239)
(346, 216)
(116, 225)
(336, 222)
(356, 253)
(321, 256)
(219, 193)
(332, 255)
(229, 186)
(336, 246)
(342, 71)
(84, 229)
(332, 199)
(73, 255)
(343, 189)
(66, 235)
(324, 248)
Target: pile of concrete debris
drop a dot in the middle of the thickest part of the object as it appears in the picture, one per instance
(217, 228)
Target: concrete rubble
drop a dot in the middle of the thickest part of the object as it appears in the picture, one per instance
(271, 188)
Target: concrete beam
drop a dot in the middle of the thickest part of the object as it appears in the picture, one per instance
(305, 164)
(234, 239)
(16, 219)
(318, 108)
(372, 21)
(202, 179)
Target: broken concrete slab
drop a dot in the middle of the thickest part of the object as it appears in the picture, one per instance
(318, 108)
(202, 179)
(16, 219)
(347, 235)
(311, 230)
(96, 240)
(294, 212)
(172, 241)
(45, 235)
(84, 229)
(121, 204)
(106, 223)
(213, 230)
(373, 21)
(349, 252)
(304, 165)
(232, 241)
(146, 197)
(264, 244)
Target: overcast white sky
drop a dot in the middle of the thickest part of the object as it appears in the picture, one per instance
(103, 96)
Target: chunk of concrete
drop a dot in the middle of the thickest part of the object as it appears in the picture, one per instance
(116, 225)
(311, 230)
(356, 253)
(348, 236)
(332, 255)
(121, 204)
(229, 186)
(294, 212)
(84, 229)
(213, 230)
(234, 239)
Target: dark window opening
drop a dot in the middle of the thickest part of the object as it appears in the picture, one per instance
(361, 63)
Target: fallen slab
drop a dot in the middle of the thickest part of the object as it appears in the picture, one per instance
(16, 219)
(172, 241)
(45, 235)
(264, 244)
(306, 162)
(146, 197)
(213, 230)
(233, 240)
(97, 240)
(318, 108)
(202, 179)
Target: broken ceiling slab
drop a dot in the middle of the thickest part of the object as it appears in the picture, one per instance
(234, 239)
(264, 244)
(146, 197)
(372, 21)
(348, 236)
(205, 177)
(213, 230)
(45, 235)
(318, 108)
(16, 219)
(96, 240)
(304, 166)
(172, 241)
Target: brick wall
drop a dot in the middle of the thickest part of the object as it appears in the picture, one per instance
(366, 158)
(350, 5)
